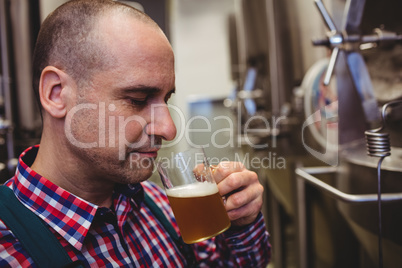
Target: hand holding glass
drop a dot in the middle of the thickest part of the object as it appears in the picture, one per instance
(193, 195)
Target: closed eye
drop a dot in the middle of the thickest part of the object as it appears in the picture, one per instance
(138, 102)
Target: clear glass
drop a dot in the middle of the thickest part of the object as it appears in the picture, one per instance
(193, 195)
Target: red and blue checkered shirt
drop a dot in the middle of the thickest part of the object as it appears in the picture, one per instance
(126, 235)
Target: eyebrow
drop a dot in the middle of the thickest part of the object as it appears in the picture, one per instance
(142, 89)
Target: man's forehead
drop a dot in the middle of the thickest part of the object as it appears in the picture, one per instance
(129, 33)
(117, 21)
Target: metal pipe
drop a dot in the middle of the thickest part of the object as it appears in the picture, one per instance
(361, 39)
(301, 223)
(6, 80)
(305, 173)
(275, 60)
(21, 25)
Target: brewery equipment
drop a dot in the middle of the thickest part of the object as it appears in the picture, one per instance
(325, 111)
(358, 112)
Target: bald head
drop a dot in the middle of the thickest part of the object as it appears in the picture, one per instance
(70, 40)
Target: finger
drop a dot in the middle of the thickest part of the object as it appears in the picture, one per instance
(244, 197)
(236, 181)
(199, 172)
(245, 214)
(224, 169)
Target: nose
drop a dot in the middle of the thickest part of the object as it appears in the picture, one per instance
(162, 124)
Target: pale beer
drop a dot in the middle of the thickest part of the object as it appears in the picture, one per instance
(199, 211)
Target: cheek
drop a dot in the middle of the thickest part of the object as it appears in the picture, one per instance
(133, 130)
(127, 130)
(118, 126)
(83, 127)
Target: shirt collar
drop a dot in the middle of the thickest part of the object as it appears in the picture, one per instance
(134, 192)
(67, 214)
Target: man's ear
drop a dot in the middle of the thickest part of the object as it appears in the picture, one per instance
(54, 91)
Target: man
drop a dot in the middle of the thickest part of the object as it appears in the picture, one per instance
(103, 73)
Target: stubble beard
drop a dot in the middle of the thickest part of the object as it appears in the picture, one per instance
(104, 165)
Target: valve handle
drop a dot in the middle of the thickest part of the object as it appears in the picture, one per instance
(325, 15)
(334, 31)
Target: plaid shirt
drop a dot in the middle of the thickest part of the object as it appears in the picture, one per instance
(126, 235)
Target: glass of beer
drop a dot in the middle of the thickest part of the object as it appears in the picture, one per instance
(193, 195)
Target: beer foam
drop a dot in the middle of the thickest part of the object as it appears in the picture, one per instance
(193, 190)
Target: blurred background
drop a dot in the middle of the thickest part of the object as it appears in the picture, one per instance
(290, 88)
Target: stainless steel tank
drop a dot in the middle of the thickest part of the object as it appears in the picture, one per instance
(311, 228)
(371, 32)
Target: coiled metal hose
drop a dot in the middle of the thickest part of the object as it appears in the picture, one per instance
(379, 145)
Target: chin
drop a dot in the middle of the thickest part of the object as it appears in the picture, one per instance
(133, 170)
(138, 175)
